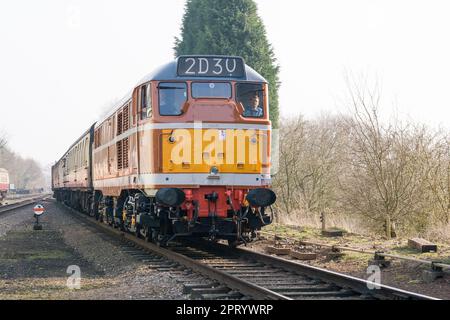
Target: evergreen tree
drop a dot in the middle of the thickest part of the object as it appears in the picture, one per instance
(230, 27)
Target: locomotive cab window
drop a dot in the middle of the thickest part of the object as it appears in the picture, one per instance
(172, 97)
(217, 90)
(145, 102)
(251, 96)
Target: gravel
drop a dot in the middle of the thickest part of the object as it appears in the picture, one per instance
(110, 273)
(20, 219)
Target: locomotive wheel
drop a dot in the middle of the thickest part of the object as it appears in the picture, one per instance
(97, 215)
(158, 239)
(148, 235)
(154, 235)
(138, 232)
(232, 243)
(161, 242)
(94, 210)
(109, 221)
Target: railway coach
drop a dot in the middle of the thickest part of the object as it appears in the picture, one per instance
(4, 184)
(185, 154)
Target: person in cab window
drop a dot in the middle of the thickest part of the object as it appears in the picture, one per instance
(253, 110)
(167, 104)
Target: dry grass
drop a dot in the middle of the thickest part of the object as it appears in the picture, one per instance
(439, 233)
(48, 288)
(304, 219)
(355, 225)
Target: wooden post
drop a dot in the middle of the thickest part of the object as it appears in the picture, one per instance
(393, 230)
(322, 219)
(388, 227)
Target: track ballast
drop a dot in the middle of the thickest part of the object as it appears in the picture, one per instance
(244, 274)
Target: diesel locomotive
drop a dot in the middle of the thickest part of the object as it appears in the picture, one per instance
(185, 154)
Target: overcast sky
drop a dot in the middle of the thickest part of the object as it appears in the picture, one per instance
(63, 61)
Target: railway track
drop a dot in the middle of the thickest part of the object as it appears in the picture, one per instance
(25, 202)
(244, 274)
(289, 280)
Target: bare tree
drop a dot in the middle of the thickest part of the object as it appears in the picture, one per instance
(437, 175)
(385, 179)
(292, 139)
(24, 174)
(2, 142)
(320, 161)
(393, 176)
(310, 159)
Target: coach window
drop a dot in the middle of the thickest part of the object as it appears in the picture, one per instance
(86, 152)
(77, 156)
(96, 143)
(81, 151)
(172, 97)
(146, 102)
(82, 154)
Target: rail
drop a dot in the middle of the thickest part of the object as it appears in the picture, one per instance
(24, 203)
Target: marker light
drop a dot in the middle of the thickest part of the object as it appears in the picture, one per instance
(214, 171)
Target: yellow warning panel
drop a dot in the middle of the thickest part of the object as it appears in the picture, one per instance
(230, 151)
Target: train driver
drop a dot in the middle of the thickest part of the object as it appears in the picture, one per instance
(167, 103)
(253, 109)
(172, 97)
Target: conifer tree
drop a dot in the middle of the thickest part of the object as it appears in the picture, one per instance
(230, 27)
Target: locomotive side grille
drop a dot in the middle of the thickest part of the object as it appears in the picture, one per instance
(119, 124)
(126, 118)
(125, 153)
(119, 155)
(122, 145)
